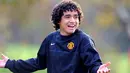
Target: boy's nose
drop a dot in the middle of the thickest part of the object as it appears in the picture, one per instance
(72, 19)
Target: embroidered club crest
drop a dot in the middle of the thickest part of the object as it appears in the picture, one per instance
(70, 45)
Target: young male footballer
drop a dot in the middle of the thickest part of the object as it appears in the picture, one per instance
(66, 50)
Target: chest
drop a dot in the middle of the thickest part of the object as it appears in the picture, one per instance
(64, 52)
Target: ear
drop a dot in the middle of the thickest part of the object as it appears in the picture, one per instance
(59, 23)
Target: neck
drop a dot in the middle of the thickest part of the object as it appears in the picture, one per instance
(65, 34)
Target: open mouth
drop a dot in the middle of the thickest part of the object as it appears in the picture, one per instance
(71, 26)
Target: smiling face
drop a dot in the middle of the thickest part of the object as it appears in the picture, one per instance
(69, 23)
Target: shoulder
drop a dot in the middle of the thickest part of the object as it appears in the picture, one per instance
(86, 38)
(51, 35)
(84, 35)
(86, 41)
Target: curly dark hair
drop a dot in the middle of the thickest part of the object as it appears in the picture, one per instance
(64, 6)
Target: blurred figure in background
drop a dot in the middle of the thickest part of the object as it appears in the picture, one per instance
(123, 15)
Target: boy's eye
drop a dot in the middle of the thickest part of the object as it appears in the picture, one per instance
(76, 16)
(67, 16)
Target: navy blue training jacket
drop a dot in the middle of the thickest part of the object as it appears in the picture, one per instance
(61, 54)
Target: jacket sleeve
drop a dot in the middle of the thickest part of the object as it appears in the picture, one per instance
(30, 65)
(89, 55)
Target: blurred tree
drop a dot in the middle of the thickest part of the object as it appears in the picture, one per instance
(18, 15)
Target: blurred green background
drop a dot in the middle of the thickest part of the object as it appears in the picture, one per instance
(25, 23)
